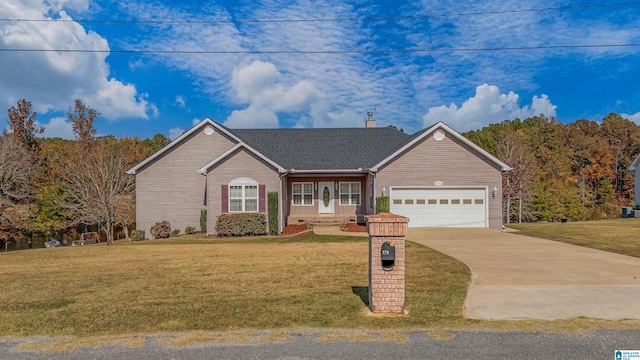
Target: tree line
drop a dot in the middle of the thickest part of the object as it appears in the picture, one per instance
(49, 185)
(573, 171)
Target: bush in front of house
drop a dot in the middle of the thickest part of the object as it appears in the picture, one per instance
(273, 212)
(189, 230)
(246, 224)
(137, 235)
(161, 230)
(382, 204)
(203, 221)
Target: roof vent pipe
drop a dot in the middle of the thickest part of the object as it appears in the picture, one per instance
(371, 122)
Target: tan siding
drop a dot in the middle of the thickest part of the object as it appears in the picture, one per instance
(450, 161)
(171, 188)
(240, 164)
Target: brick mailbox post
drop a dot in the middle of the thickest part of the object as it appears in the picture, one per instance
(387, 234)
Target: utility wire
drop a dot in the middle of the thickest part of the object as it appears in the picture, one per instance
(374, 18)
(353, 51)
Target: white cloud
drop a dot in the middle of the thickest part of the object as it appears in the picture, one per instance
(174, 133)
(488, 106)
(180, 101)
(58, 127)
(195, 121)
(52, 80)
(257, 84)
(632, 117)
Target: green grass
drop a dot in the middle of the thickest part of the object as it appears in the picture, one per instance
(214, 284)
(620, 236)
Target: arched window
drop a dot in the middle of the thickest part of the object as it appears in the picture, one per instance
(243, 195)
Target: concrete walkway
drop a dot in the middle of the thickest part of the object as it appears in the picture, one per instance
(519, 277)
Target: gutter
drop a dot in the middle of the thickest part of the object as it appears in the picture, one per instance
(358, 170)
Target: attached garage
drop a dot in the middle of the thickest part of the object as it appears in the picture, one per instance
(440, 206)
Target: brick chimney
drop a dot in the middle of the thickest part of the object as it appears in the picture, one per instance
(371, 122)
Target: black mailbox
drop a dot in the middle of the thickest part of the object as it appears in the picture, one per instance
(388, 256)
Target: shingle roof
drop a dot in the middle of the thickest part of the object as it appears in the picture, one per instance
(324, 149)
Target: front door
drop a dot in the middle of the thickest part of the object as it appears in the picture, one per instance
(325, 197)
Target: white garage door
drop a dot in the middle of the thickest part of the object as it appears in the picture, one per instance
(440, 207)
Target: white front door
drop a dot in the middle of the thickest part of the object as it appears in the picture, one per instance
(325, 197)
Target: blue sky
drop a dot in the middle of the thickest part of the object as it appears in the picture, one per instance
(242, 78)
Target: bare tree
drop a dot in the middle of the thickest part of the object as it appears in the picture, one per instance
(96, 183)
(15, 187)
(22, 122)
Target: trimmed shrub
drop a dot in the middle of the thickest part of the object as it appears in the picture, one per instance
(175, 232)
(189, 230)
(161, 230)
(137, 235)
(273, 212)
(245, 224)
(203, 221)
(382, 204)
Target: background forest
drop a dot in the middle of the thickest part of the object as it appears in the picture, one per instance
(576, 171)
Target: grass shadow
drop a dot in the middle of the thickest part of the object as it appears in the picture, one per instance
(362, 292)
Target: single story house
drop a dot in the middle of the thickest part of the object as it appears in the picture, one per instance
(435, 177)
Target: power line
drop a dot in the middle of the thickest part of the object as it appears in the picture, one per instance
(302, 52)
(373, 18)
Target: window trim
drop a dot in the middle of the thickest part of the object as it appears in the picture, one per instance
(302, 193)
(243, 183)
(350, 193)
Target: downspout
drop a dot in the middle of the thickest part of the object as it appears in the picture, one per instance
(373, 192)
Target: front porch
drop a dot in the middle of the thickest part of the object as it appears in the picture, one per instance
(327, 199)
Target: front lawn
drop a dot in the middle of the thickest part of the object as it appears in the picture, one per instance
(621, 236)
(191, 283)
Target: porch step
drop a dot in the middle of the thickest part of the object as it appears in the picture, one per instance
(322, 220)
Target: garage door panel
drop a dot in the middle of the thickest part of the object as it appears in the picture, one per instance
(441, 207)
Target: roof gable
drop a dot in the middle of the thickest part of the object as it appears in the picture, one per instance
(179, 139)
(227, 153)
(417, 137)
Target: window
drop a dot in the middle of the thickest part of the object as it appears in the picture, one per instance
(302, 193)
(243, 196)
(350, 193)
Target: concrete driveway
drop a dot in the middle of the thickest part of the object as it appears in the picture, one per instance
(519, 277)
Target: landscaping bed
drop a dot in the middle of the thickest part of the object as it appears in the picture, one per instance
(294, 229)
